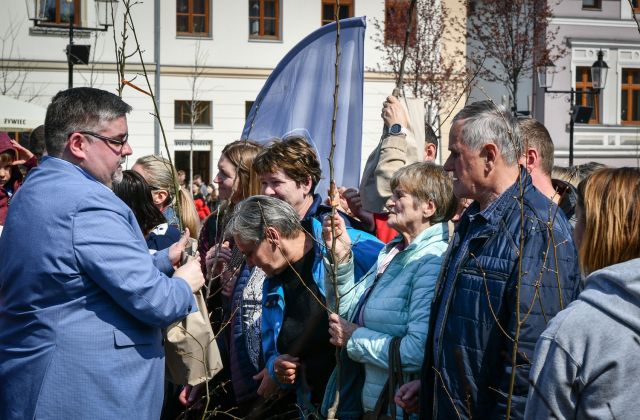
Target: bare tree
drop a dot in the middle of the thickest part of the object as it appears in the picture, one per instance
(13, 69)
(120, 45)
(510, 38)
(434, 68)
(196, 107)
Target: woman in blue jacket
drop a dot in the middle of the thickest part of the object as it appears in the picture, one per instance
(394, 297)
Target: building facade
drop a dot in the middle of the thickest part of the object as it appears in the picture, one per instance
(583, 28)
(612, 135)
(216, 52)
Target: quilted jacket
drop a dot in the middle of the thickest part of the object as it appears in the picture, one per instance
(467, 373)
(398, 305)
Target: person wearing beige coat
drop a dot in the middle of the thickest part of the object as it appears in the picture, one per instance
(399, 146)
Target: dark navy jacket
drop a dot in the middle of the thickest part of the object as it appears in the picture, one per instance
(472, 355)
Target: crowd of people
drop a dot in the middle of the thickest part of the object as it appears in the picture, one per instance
(495, 286)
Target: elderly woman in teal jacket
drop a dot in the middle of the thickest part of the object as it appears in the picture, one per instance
(393, 298)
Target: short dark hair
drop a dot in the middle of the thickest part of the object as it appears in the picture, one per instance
(584, 170)
(8, 156)
(295, 156)
(77, 109)
(536, 136)
(136, 193)
(36, 141)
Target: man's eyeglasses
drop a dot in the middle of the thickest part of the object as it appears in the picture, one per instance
(112, 140)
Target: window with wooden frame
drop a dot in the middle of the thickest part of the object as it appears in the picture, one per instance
(192, 17)
(592, 4)
(201, 113)
(630, 97)
(396, 13)
(329, 10)
(61, 11)
(264, 19)
(583, 85)
(635, 5)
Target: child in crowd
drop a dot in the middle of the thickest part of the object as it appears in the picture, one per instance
(11, 155)
(199, 201)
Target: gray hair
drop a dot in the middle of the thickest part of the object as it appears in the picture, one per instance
(252, 216)
(78, 109)
(485, 122)
(427, 181)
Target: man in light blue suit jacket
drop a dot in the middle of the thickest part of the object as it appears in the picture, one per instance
(82, 302)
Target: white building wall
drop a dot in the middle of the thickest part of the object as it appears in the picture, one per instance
(236, 67)
(583, 33)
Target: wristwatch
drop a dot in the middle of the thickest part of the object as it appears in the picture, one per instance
(396, 129)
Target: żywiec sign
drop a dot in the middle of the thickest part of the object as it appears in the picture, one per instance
(16, 115)
(14, 121)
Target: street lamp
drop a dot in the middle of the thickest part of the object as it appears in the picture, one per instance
(45, 11)
(599, 71)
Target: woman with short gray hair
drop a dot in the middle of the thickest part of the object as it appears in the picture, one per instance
(295, 339)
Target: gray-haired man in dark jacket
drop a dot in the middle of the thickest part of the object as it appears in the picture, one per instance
(511, 266)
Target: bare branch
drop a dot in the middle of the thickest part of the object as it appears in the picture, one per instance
(14, 71)
(511, 38)
(435, 65)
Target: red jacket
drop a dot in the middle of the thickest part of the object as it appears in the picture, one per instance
(12, 186)
(383, 231)
(201, 206)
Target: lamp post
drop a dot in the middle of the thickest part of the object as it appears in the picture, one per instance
(581, 114)
(76, 54)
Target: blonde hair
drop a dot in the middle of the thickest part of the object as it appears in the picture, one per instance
(160, 174)
(609, 201)
(566, 174)
(574, 174)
